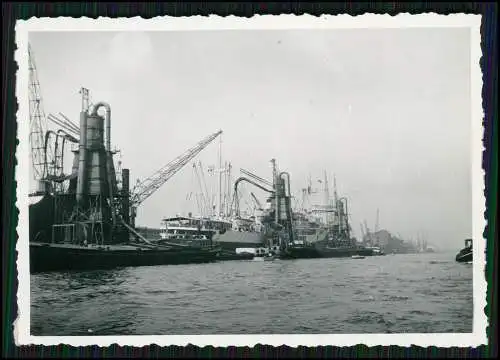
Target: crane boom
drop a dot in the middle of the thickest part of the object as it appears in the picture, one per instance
(255, 177)
(257, 202)
(146, 188)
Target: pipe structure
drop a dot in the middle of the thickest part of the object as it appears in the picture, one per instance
(82, 160)
(108, 121)
(67, 136)
(240, 179)
(47, 137)
(52, 168)
(109, 157)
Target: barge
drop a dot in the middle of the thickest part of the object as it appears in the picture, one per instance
(45, 257)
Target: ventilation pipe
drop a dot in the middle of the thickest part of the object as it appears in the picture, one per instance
(236, 199)
(109, 158)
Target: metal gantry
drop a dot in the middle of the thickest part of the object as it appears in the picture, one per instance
(38, 123)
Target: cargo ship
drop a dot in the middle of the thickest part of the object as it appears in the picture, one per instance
(332, 236)
(204, 232)
(465, 255)
(229, 235)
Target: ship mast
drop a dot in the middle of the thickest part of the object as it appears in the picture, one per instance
(337, 214)
(219, 197)
(326, 199)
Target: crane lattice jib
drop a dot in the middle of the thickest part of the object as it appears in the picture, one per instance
(147, 187)
(38, 126)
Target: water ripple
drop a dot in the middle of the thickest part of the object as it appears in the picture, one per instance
(410, 293)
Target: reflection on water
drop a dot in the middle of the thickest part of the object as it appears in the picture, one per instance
(389, 294)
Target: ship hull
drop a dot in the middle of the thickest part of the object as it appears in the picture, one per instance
(231, 239)
(464, 256)
(344, 252)
(300, 253)
(41, 218)
(62, 257)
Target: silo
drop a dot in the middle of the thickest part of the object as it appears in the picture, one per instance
(96, 155)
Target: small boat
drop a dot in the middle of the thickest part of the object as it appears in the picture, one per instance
(465, 255)
(264, 257)
(357, 257)
(269, 257)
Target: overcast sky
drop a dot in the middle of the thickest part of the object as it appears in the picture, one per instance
(387, 111)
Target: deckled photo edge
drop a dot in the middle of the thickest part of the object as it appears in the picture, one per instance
(479, 283)
(216, 22)
(21, 325)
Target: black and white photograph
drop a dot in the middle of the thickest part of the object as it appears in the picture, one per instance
(280, 179)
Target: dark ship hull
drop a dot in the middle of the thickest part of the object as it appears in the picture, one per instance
(303, 252)
(46, 257)
(314, 251)
(41, 219)
(465, 255)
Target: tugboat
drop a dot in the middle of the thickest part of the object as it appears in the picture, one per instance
(465, 255)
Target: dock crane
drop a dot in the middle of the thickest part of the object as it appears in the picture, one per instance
(144, 189)
(47, 146)
(38, 124)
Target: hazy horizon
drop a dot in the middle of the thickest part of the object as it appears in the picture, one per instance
(387, 111)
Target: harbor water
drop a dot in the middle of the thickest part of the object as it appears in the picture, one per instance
(386, 294)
